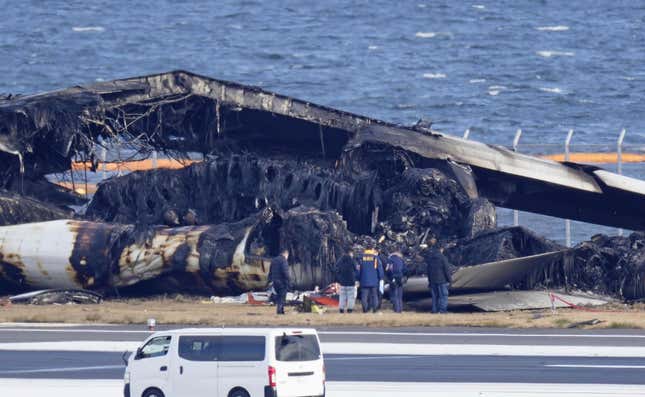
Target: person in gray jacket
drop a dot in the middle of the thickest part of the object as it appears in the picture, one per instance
(439, 277)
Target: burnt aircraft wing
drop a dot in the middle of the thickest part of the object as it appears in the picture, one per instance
(215, 110)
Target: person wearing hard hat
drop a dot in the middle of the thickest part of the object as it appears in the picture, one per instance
(370, 279)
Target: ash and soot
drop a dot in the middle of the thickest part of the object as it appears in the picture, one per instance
(265, 172)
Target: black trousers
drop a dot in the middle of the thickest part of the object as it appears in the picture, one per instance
(280, 298)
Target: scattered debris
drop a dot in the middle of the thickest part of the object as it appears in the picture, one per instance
(582, 324)
(58, 297)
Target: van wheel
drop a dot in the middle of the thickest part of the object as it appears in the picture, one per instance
(238, 393)
(152, 392)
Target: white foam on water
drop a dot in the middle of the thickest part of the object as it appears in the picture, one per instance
(88, 29)
(434, 76)
(421, 5)
(558, 28)
(495, 90)
(477, 81)
(549, 54)
(373, 47)
(553, 90)
(479, 6)
(426, 35)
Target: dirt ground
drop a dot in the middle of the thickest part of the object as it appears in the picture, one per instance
(192, 311)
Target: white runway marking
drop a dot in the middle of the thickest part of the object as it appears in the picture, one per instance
(478, 334)
(389, 349)
(595, 366)
(65, 369)
(111, 388)
(12, 327)
(481, 350)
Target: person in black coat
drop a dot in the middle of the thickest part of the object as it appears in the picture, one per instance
(439, 277)
(279, 276)
(346, 276)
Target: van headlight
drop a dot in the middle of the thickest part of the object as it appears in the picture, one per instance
(126, 377)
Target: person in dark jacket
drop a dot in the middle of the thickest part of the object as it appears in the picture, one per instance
(279, 276)
(396, 271)
(370, 278)
(439, 277)
(346, 276)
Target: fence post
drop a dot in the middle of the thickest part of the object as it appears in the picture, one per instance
(154, 159)
(103, 161)
(619, 160)
(516, 142)
(467, 133)
(567, 157)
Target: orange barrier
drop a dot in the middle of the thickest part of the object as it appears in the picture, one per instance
(597, 158)
(138, 165)
(79, 188)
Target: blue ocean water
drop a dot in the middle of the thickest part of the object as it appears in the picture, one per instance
(491, 66)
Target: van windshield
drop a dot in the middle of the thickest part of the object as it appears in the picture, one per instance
(297, 348)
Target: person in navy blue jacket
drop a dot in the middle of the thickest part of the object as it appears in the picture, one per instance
(279, 276)
(396, 271)
(370, 277)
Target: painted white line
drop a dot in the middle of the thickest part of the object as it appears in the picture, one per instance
(66, 369)
(369, 358)
(111, 388)
(77, 331)
(52, 328)
(595, 366)
(80, 346)
(371, 349)
(482, 350)
(484, 334)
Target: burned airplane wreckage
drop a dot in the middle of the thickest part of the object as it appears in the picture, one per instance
(274, 172)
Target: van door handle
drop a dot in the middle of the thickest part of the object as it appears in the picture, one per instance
(164, 368)
(181, 369)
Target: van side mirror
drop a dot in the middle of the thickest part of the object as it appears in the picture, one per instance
(139, 354)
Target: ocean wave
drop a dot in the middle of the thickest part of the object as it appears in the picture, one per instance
(373, 47)
(477, 81)
(479, 6)
(426, 35)
(495, 90)
(552, 90)
(434, 76)
(430, 35)
(88, 29)
(557, 28)
(549, 54)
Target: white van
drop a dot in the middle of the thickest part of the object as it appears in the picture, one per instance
(227, 362)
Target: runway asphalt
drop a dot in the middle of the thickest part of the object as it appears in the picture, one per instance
(521, 365)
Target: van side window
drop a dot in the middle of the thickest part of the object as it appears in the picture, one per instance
(242, 348)
(198, 347)
(297, 348)
(155, 347)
